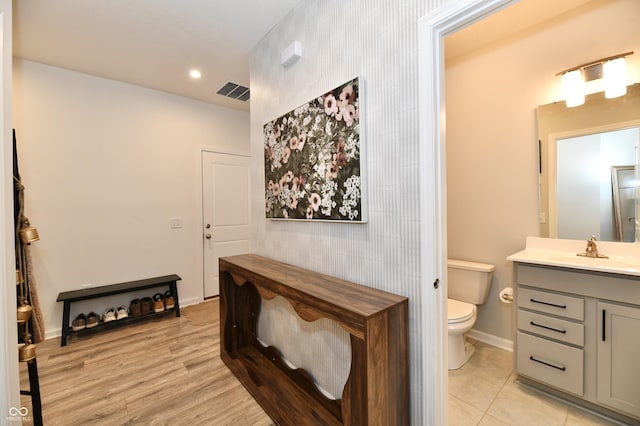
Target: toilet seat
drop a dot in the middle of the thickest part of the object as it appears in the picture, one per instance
(459, 311)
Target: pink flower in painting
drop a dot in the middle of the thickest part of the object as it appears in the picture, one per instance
(348, 114)
(285, 155)
(347, 96)
(293, 142)
(330, 105)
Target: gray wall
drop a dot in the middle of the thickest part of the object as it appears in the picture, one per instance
(376, 40)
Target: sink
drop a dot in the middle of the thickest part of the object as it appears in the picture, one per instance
(612, 264)
(624, 258)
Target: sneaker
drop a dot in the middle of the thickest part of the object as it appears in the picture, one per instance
(145, 305)
(158, 302)
(109, 315)
(93, 319)
(79, 323)
(121, 312)
(168, 300)
(134, 307)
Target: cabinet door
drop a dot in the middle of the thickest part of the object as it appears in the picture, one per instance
(618, 357)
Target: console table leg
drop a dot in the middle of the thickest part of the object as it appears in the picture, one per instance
(176, 300)
(66, 312)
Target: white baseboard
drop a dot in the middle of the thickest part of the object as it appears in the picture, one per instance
(492, 340)
(52, 333)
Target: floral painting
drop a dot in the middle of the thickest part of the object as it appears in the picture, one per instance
(313, 160)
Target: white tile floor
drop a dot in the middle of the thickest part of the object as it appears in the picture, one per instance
(484, 392)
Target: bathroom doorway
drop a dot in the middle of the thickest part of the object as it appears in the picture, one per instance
(489, 217)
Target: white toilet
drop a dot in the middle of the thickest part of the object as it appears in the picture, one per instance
(468, 284)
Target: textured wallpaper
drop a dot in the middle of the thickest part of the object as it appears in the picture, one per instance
(376, 41)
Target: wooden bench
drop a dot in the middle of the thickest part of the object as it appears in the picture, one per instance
(68, 297)
(377, 390)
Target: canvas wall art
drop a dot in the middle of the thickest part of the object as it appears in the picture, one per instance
(313, 159)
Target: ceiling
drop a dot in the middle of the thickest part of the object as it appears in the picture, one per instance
(149, 43)
(154, 43)
(516, 19)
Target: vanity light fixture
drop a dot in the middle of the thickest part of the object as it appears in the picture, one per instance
(573, 88)
(615, 76)
(612, 69)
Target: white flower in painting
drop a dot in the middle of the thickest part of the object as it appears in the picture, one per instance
(301, 141)
(309, 213)
(314, 201)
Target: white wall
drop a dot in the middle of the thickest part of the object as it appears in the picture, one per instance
(376, 40)
(492, 95)
(105, 166)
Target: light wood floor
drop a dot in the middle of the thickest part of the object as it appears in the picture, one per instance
(162, 372)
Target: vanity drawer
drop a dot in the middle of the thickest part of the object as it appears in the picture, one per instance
(555, 364)
(555, 328)
(551, 303)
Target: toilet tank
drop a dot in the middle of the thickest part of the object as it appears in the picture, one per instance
(469, 281)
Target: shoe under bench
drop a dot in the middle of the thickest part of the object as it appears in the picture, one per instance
(69, 297)
(377, 390)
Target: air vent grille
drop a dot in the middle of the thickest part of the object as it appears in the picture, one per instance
(234, 91)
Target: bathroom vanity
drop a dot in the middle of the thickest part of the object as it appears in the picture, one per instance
(578, 324)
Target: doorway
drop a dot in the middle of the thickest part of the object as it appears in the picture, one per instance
(225, 212)
(433, 239)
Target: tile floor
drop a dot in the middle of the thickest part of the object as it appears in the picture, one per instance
(484, 392)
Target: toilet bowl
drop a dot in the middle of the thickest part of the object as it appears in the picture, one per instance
(468, 286)
(461, 317)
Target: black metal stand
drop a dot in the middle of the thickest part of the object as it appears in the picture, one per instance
(34, 392)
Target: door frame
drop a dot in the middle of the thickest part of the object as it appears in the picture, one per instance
(200, 206)
(432, 29)
(9, 377)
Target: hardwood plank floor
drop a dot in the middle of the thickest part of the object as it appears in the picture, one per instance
(162, 372)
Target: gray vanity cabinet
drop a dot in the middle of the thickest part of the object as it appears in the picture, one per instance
(619, 357)
(578, 336)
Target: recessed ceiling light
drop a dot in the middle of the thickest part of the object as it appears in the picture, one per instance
(195, 74)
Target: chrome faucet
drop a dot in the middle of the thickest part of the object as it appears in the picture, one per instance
(592, 250)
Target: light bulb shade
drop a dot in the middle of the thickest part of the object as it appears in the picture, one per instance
(615, 77)
(572, 88)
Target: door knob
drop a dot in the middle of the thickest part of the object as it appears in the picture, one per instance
(208, 226)
(208, 236)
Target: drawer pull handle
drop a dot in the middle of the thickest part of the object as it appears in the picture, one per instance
(548, 328)
(547, 364)
(548, 304)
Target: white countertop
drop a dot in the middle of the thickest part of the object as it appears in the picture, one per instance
(624, 258)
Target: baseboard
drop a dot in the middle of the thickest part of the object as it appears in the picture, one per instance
(492, 340)
(57, 332)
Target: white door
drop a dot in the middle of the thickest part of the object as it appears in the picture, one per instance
(225, 201)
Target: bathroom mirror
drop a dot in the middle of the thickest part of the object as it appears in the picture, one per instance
(581, 149)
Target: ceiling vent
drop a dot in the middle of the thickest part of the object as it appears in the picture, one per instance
(234, 91)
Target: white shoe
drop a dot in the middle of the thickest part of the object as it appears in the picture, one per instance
(109, 315)
(122, 312)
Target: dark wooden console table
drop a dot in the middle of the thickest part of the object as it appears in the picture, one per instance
(69, 297)
(377, 390)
